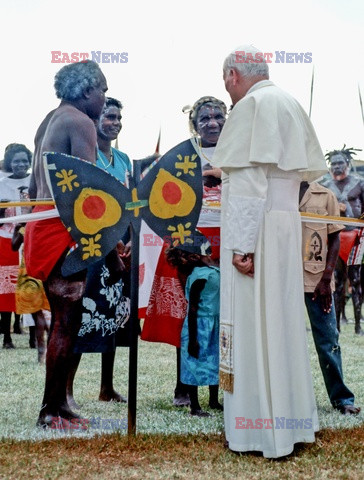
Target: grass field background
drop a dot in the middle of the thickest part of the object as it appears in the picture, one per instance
(165, 431)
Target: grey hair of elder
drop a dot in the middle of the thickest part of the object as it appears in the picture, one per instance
(254, 66)
(73, 79)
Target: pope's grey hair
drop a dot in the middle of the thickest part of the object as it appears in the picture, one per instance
(73, 79)
(252, 67)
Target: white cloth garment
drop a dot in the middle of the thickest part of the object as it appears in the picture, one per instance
(272, 376)
(263, 342)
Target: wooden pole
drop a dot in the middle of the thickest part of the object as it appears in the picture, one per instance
(134, 315)
(26, 203)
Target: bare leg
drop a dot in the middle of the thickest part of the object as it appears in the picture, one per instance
(195, 405)
(214, 398)
(354, 276)
(32, 336)
(6, 322)
(339, 294)
(346, 296)
(16, 327)
(107, 392)
(65, 298)
(181, 397)
(41, 327)
(74, 363)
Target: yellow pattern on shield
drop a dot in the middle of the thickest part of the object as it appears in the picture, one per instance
(177, 200)
(94, 210)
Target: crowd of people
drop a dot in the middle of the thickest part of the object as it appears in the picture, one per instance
(232, 301)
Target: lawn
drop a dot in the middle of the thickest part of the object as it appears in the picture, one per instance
(169, 442)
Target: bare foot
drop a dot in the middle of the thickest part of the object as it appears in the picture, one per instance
(200, 413)
(350, 410)
(72, 402)
(41, 357)
(181, 400)
(61, 419)
(111, 396)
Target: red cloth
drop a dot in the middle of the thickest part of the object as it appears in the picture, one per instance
(167, 305)
(44, 243)
(347, 241)
(9, 268)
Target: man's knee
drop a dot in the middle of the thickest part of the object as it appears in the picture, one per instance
(68, 291)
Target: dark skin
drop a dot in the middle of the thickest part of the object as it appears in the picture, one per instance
(69, 129)
(351, 205)
(209, 122)
(108, 127)
(195, 293)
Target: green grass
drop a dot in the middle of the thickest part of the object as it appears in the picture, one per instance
(169, 442)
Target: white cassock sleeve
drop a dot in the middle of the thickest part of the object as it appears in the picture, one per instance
(244, 207)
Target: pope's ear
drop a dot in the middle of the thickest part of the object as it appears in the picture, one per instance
(234, 76)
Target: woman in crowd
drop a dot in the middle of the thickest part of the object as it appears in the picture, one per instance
(14, 187)
(167, 306)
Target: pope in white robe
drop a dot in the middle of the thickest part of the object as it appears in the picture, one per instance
(267, 146)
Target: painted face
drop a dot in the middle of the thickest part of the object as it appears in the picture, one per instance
(339, 167)
(209, 122)
(20, 165)
(96, 99)
(109, 124)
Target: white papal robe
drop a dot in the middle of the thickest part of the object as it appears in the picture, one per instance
(272, 404)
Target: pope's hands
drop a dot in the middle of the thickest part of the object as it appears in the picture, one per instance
(244, 263)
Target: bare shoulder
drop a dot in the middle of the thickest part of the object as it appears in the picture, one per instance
(72, 132)
(71, 117)
(43, 127)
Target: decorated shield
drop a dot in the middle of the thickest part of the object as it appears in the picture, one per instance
(96, 208)
(174, 191)
(91, 206)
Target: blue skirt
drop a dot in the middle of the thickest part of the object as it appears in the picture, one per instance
(203, 370)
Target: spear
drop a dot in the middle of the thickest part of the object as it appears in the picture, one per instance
(158, 143)
(361, 104)
(311, 97)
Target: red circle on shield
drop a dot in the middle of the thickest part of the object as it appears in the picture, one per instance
(93, 207)
(171, 193)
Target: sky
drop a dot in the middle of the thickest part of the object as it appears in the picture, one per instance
(175, 53)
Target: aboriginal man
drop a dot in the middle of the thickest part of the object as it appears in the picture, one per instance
(69, 129)
(349, 191)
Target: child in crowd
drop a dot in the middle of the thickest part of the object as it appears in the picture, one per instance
(200, 331)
